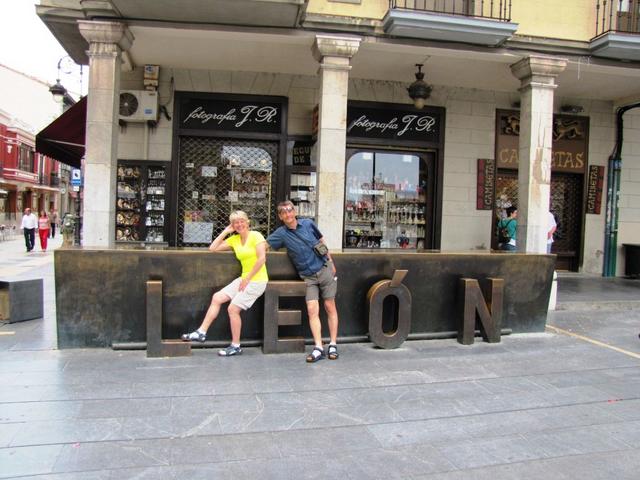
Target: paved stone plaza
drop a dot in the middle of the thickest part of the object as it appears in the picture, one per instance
(557, 405)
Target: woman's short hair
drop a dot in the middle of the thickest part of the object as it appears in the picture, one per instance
(510, 210)
(238, 215)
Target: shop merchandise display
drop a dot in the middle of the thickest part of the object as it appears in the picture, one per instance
(385, 215)
(140, 203)
(302, 191)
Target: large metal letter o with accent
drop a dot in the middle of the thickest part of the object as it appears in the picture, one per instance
(378, 292)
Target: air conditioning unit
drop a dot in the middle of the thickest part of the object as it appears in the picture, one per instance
(138, 105)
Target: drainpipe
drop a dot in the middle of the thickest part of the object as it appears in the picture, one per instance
(613, 194)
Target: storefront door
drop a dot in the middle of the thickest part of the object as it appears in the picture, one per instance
(389, 199)
(566, 198)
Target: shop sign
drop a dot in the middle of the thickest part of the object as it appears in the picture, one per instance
(568, 147)
(301, 153)
(76, 177)
(486, 179)
(394, 123)
(595, 180)
(230, 115)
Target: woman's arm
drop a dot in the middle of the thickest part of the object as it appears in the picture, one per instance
(261, 253)
(219, 245)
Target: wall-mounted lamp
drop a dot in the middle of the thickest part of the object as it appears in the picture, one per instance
(61, 94)
(572, 109)
(419, 91)
(58, 91)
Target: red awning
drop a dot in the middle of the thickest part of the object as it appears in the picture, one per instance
(63, 139)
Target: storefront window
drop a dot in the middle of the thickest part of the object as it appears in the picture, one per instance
(386, 201)
(219, 176)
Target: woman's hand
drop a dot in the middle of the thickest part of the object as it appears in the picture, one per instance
(243, 284)
(229, 230)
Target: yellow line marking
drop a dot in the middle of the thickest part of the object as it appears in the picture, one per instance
(7, 333)
(595, 342)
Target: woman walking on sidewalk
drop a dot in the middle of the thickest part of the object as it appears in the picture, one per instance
(43, 229)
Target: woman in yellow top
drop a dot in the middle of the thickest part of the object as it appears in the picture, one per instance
(250, 249)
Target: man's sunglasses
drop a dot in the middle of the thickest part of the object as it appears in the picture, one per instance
(285, 209)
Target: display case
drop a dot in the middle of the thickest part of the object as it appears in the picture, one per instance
(385, 202)
(379, 216)
(251, 193)
(301, 190)
(141, 207)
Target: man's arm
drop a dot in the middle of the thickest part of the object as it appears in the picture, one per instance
(274, 242)
(333, 265)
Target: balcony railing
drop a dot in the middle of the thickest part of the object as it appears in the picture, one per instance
(621, 16)
(55, 180)
(492, 9)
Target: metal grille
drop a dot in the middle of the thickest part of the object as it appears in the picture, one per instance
(218, 176)
(566, 197)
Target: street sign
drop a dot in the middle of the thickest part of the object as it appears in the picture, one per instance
(76, 177)
(75, 188)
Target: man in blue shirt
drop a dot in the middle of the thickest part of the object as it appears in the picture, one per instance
(318, 272)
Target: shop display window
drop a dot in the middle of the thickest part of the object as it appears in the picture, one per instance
(302, 191)
(140, 202)
(386, 201)
(219, 176)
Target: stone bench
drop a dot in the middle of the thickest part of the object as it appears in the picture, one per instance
(21, 300)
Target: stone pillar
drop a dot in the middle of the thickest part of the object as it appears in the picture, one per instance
(537, 82)
(334, 53)
(107, 41)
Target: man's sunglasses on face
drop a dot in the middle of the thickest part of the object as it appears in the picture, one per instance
(285, 209)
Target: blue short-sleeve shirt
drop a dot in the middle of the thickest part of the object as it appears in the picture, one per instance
(299, 244)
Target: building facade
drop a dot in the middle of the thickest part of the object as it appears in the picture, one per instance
(27, 178)
(199, 109)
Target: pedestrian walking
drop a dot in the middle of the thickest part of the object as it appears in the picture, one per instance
(507, 230)
(311, 258)
(43, 229)
(53, 220)
(552, 226)
(28, 226)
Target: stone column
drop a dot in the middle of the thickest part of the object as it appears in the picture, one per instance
(537, 79)
(107, 41)
(334, 53)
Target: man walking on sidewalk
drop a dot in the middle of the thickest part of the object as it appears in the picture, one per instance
(29, 224)
(53, 219)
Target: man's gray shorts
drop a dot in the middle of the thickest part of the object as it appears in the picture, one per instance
(321, 282)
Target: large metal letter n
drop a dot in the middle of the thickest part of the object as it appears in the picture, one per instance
(490, 315)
